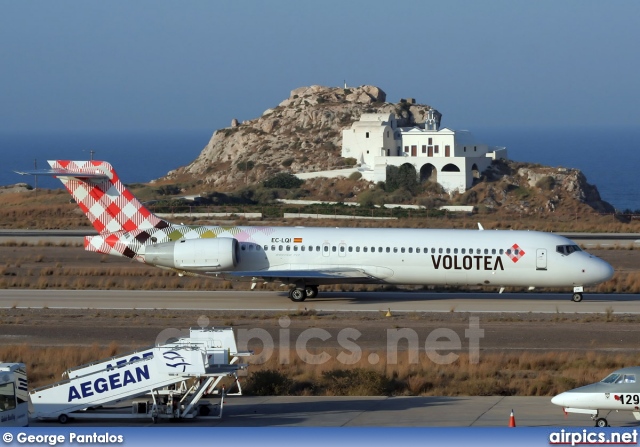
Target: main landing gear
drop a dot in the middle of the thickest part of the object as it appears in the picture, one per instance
(577, 294)
(299, 294)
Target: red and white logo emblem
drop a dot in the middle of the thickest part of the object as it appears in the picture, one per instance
(515, 253)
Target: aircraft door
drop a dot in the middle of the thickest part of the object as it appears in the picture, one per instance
(325, 249)
(541, 259)
(342, 250)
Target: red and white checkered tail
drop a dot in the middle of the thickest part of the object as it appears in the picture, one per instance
(108, 204)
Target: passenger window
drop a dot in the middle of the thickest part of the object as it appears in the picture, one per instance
(501, 251)
(279, 247)
(463, 251)
(388, 250)
(333, 249)
(448, 250)
(433, 250)
(326, 248)
(266, 248)
(357, 249)
(455, 251)
(288, 248)
(379, 250)
(302, 248)
(364, 249)
(242, 246)
(350, 249)
(410, 249)
(418, 250)
(295, 248)
(493, 251)
(342, 249)
(486, 251)
(440, 250)
(478, 251)
(318, 248)
(395, 249)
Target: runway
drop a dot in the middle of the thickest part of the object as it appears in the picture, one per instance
(397, 301)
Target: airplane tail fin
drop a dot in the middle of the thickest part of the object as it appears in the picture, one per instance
(103, 198)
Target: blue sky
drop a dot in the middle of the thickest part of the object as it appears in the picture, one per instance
(155, 64)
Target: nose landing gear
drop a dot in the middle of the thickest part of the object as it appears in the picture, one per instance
(577, 294)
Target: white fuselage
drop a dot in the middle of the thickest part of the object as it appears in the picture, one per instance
(415, 256)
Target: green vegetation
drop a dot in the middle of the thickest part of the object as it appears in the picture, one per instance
(403, 177)
(168, 190)
(350, 161)
(522, 193)
(245, 165)
(283, 180)
(546, 183)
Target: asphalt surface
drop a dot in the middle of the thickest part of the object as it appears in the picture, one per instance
(485, 411)
(398, 301)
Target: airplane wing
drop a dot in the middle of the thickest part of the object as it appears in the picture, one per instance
(317, 276)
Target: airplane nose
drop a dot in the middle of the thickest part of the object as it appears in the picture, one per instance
(603, 271)
(558, 400)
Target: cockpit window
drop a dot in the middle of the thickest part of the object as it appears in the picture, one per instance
(611, 378)
(619, 378)
(567, 249)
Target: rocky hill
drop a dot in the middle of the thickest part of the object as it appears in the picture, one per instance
(526, 188)
(304, 133)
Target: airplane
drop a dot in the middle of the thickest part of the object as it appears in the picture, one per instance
(306, 258)
(619, 391)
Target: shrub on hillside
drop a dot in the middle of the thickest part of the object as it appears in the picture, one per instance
(283, 180)
(546, 183)
(350, 161)
(245, 165)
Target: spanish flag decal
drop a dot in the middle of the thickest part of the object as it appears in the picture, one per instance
(297, 240)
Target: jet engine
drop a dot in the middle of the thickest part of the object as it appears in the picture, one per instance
(210, 254)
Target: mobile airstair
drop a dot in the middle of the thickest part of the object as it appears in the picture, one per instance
(169, 380)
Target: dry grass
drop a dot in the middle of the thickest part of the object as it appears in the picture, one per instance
(497, 373)
(45, 365)
(506, 374)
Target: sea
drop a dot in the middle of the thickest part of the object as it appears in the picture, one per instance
(610, 158)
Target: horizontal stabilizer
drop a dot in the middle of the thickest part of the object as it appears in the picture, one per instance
(66, 173)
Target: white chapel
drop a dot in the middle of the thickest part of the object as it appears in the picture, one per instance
(452, 158)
